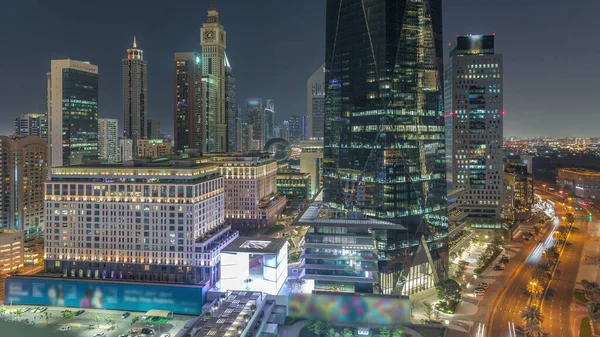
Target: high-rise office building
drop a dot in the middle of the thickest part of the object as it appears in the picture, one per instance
(256, 121)
(304, 128)
(269, 116)
(311, 162)
(153, 129)
(213, 42)
(284, 130)
(153, 222)
(474, 122)
(239, 130)
(231, 108)
(315, 102)
(108, 139)
(188, 109)
(384, 146)
(209, 113)
(32, 125)
(135, 94)
(72, 103)
(125, 149)
(22, 173)
(295, 130)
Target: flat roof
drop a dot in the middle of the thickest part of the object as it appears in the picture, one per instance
(312, 217)
(229, 314)
(159, 313)
(293, 175)
(580, 171)
(255, 245)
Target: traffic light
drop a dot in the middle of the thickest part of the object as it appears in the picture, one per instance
(590, 216)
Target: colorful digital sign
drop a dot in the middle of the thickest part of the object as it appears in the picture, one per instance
(350, 308)
(104, 294)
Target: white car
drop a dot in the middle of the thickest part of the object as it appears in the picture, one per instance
(165, 335)
(100, 334)
(65, 328)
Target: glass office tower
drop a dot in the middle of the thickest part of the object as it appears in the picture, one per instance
(384, 150)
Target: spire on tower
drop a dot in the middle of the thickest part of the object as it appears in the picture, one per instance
(212, 7)
(134, 42)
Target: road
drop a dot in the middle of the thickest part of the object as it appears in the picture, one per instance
(556, 310)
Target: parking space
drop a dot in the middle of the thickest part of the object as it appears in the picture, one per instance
(94, 322)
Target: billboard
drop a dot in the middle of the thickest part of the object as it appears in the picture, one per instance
(104, 295)
(351, 308)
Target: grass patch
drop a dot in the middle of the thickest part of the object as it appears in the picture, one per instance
(445, 309)
(294, 257)
(274, 229)
(585, 330)
(580, 295)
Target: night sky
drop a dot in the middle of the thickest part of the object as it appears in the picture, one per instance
(549, 46)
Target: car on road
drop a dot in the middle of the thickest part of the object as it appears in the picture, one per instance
(479, 292)
(65, 328)
(147, 331)
(79, 312)
(483, 285)
(165, 335)
(100, 334)
(498, 267)
(125, 315)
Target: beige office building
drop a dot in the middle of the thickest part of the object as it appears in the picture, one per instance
(311, 161)
(11, 251)
(153, 148)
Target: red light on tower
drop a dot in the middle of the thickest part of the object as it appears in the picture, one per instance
(502, 113)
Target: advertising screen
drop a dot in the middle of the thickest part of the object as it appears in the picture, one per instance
(104, 294)
(350, 308)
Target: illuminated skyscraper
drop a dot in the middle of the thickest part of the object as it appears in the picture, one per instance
(153, 129)
(32, 125)
(269, 119)
(474, 123)
(108, 139)
(315, 102)
(72, 101)
(213, 42)
(232, 109)
(256, 122)
(135, 96)
(295, 130)
(384, 144)
(188, 109)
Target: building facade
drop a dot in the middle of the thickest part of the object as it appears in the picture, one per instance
(311, 162)
(188, 109)
(233, 119)
(125, 149)
(256, 123)
(153, 222)
(32, 125)
(315, 102)
(269, 116)
(251, 198)
(294, 185)
(213, 40)
(11, 251)
(108, 139)
(582, 183)
(72, 103)
(474, 126)
(153, 148)
(153, 129)
(384, 139)
(23, 172)
(518, 192)
(135, 94)
(295, 130)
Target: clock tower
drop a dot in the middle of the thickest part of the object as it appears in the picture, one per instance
(213, 42)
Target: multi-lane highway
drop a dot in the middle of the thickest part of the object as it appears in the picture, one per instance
(556, 307)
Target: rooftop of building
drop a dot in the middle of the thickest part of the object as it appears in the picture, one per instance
(255, 245)
(240, 159)
(10, 232)
(229, 315)
(580, 171)
(319, 215)
(293, 175)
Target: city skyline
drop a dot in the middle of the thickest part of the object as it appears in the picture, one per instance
(104, 46)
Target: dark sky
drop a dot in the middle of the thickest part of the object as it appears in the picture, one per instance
(549, 47)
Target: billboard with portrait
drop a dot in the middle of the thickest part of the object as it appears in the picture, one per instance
(350, 308)
(104, 294)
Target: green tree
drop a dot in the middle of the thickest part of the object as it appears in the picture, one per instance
(460, 271)
(316, 327)
(533, 329)
(534, 287)
(448, 291)
(399, 332)
(47, 316)
(384, 332)
(428, 311)
(570, 218)
(3, 310)
(588, 286)
(97, 320)
(347, 333)
(541, 273)
(330, 333)
(18, 312)
(532, 314)
(135, 319)
(67, 315)
(551, 254)
(109, 320)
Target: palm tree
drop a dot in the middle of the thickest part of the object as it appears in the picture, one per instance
(589, 286)
(3, 310)
(534, 287)
(47, 316)
(541, 273)
(532, 314)
(533, 329)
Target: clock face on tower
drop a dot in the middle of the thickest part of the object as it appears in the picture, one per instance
(209, 35)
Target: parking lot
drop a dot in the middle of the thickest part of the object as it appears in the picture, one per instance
(93, 322)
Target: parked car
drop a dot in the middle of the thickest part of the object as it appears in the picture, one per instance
(479, 292)
(483, 285)
(65, 328)
(165, 335)
(498, 267)
(125, 315)
(100, 334)
(147, 331)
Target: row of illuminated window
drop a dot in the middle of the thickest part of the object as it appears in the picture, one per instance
(135, 190)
